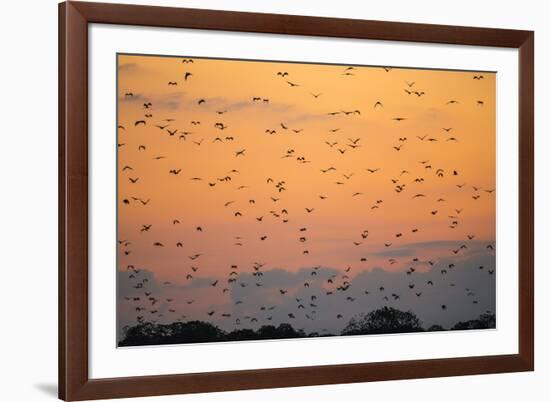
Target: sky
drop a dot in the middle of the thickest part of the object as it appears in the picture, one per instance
(312, 177)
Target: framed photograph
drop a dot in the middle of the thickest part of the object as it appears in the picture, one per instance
(260, 200)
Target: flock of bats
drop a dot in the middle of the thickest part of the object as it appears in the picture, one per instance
(145, 302)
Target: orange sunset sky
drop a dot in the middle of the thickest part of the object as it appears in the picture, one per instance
(393, 164)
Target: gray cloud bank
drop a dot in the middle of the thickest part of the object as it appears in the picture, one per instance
(316, 311)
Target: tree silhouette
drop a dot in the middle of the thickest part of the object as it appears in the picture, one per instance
(177, 332)
(436, 327)
(241, 335)
(386, 320)
(485, 321)
(283, 331)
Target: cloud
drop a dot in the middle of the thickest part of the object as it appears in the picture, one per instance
(128, 68)
(441, 244)
(307, 117)
(396, 252)
(172, 101)
(449, 290)
(475, 247)
(197, 283)
(244, 104)
(128, 280)
(136, 98)
(315, 310)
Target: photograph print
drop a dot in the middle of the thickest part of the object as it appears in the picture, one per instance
(262, 200)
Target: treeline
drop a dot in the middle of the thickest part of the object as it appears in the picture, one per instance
(386, 320)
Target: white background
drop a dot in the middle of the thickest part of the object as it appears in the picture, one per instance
(28, 205)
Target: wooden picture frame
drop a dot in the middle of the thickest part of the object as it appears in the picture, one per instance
(74, 381)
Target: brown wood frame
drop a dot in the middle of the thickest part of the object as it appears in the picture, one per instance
(74, 383)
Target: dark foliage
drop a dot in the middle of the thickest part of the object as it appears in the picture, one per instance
(485, 321)
(436, 327)
(199, 332)
(177, 332)
(386, 320)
